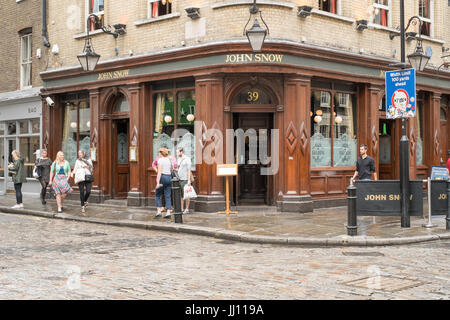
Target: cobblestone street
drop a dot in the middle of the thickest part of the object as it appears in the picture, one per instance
(54, 259)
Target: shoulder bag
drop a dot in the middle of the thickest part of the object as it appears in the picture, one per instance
(89, 177)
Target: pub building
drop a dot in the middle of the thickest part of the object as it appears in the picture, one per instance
(324, 104)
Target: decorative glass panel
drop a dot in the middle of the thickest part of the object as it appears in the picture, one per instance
(419, 152)
(85, 127)
(252, 96)
(163, 113)
(345, 140)
(122, 105)
(419, 128)
(385, 149)
(162, 140)
(443, 117)
(186, 109)
(69, 143)
(85, 145)
(320, 128)
(122, 148)
(187, 142)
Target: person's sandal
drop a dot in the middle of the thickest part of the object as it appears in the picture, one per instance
(158, 213)
(83, 211)
(167, 215)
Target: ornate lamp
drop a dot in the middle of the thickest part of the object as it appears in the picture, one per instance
(256, 35)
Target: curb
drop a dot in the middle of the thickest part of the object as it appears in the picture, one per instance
(233, 235)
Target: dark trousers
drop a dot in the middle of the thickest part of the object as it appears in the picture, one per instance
(165, 190)
(44, 186)
(18, 188)
(85, 191)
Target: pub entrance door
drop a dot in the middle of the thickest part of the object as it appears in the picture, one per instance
(389, 138)
(251, 187)
(120, 162)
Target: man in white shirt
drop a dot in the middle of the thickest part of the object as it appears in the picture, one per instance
(184, 172)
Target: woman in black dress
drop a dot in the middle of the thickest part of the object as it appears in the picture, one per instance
(43, 164)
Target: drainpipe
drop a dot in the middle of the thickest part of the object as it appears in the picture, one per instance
(44, 24)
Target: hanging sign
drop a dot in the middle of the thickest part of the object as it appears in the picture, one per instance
(401, 94)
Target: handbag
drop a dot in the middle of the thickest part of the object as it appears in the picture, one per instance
(189, 192)
(89, 178)
(35, 172)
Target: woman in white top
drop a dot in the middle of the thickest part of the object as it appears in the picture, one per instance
(184, 171)
(163, 183)
(81, 171)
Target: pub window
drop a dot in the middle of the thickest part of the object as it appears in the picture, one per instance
(25, 60)
(96, 7)
(157, 8)
(76, 128)
(328, 5)
(174, 109)
(333, 129)
(425, 7)
(419, 126)
(381, 12)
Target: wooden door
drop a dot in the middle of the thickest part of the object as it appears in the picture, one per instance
(387, 154)
(252, 187)
(121, 166)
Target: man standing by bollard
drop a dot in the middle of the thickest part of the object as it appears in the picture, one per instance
(365, 165)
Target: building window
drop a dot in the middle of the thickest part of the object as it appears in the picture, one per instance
(174, 109)
(96, 7)
(22, 135)
(25, 61)
(333, 129)
(328, 5)
(381, 12)
(76, 127)
(425, 7)
(157, 8)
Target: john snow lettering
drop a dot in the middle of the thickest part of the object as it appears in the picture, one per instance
(257, 57)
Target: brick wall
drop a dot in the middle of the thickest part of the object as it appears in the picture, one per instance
(67, 24)
(15, 17)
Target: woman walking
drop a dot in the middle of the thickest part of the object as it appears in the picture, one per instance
(59, 175)
(43, 164)
(163, 183)
(18, 177)
(83, 173)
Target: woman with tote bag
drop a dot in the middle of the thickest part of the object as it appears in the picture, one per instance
(83, 172)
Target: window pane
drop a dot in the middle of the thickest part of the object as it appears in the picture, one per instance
(320, 128)
(69, 143)
(122, 105)
(35, 125)
(85, 127)
(186, 118)
(2, 157)
(443, 117)
(419, 152)
(163, 113)
(344, 143)
(2, 128)
(27, 149)
(23, 126)
(328, 5)
(11, 127)
(424, 8)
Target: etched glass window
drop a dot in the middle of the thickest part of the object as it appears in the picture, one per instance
(419, 144)
(345, 140)
(321, 129)
(122, 105)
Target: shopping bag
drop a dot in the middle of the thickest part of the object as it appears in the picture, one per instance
(189, 192)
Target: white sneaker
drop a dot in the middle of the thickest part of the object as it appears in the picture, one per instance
(17, 206)
(21, 206)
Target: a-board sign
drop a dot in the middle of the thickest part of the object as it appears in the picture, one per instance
(382, 198)
(224, 170)
(439, 173)
(439, 203)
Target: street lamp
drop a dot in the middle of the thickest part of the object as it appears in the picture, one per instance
(256, 35)
(418, 61)
(88, 59)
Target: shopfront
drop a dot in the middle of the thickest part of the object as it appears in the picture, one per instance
(295, 118)
(20, 129)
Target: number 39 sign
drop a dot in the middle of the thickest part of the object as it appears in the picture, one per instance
(400, 94)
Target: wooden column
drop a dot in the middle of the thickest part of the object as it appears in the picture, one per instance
(373, 124)
(94, 105)
(432, 130)
(136, 122)
(295, 155)
(209, 110)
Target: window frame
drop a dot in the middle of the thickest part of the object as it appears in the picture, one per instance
(388, 8)
(100, 14)
(149, 9)
(28, 38)
(429, 20)
(333, 91)
(338, 7)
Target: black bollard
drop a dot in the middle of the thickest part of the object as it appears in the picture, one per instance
(176, 196)
(447, 219)
(352, 228)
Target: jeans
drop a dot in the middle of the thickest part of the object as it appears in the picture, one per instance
(18, 188)
(166, 190)
(84, 194)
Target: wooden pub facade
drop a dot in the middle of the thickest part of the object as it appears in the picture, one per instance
(324, 104)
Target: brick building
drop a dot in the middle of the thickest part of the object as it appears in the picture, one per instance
(24, 54)
(319, 81)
